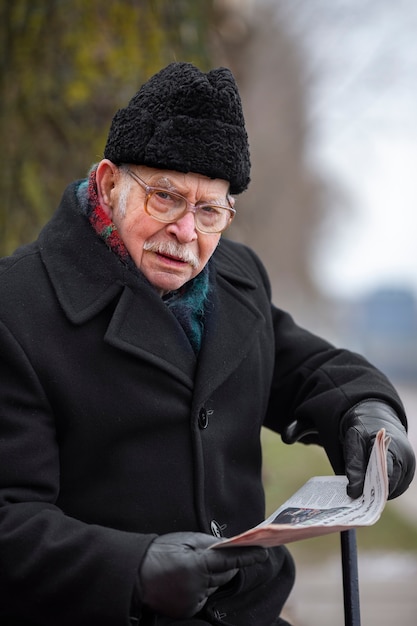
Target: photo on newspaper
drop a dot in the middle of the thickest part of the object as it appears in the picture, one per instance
(322, 506)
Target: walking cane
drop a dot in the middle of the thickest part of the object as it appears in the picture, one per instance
(350, 577)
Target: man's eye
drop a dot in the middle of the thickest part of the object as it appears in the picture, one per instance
(210, 209)
(163, 195)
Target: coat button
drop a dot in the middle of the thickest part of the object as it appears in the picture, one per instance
(216, 529)
(203, 419)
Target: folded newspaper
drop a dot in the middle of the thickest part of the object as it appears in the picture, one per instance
(322, 506)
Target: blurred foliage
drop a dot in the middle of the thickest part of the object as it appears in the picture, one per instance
(287, 468)
(66, 67)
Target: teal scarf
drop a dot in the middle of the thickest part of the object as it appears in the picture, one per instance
(188, 304)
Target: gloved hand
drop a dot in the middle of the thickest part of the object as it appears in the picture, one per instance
(178, 573)
(359, 427)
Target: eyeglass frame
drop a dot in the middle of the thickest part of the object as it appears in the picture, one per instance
(149, 190)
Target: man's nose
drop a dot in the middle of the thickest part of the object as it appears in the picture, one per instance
(184, 228)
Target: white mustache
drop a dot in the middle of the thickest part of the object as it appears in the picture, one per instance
(170, 248)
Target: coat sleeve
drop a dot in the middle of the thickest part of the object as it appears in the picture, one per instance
(316, 383)
(54, 569)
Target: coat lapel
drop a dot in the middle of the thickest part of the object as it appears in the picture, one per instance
(231, 328)
(143, 326)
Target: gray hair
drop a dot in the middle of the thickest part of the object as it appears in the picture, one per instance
(125, 186)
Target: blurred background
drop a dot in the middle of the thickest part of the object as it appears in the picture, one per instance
(329, 89)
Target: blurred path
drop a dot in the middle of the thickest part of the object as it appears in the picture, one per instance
(387, 582)
(387, 585)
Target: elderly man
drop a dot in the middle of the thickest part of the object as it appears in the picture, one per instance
(140, 355)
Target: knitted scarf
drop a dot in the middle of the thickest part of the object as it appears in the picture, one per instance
(188, 303)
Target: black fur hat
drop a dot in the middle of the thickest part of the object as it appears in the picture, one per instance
(185, 120)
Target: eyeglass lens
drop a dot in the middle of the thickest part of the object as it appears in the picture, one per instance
(168, 207)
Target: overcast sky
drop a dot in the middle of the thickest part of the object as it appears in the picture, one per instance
(362, 68)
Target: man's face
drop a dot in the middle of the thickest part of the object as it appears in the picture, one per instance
(167, 267)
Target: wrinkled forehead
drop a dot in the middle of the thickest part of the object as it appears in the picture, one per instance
(184, 183)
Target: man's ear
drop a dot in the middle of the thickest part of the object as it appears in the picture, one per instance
(106, 177)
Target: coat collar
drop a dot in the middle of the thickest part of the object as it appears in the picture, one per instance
(87, 278)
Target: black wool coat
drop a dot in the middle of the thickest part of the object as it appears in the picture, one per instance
(112, 431)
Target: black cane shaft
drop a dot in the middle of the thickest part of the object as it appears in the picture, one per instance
(350, 577)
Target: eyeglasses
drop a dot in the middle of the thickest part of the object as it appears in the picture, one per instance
(167, 206)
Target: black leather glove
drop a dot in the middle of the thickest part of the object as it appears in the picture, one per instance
(359, 427)
(178, 573)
